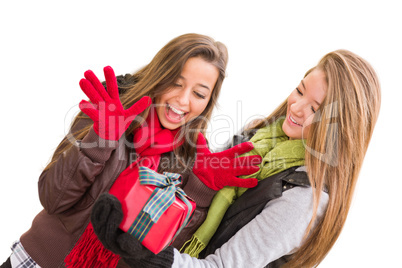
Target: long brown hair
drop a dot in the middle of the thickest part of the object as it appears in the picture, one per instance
(155, 78)
(335, 147)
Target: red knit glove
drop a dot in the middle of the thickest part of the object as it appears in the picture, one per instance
(107, 112)
(217, 170)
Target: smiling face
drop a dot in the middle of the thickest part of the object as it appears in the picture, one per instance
(303, 102)
(190, 94)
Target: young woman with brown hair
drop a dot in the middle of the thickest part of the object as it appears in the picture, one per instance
(118, 130)
(319, 135)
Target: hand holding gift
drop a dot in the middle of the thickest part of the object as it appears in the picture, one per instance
(150, 208)
(106, 217)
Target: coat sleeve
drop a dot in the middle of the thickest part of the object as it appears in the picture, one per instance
(276, 232)
(69, 177)
(65, 182)
(198, 191)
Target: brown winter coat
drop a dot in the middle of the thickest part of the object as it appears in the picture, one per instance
(69, 188)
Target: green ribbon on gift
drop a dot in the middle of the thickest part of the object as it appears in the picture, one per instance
(160, 200)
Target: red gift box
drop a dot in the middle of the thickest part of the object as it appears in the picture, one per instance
(153, 234)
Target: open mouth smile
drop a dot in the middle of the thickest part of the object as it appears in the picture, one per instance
(174, 114)
(293, 121)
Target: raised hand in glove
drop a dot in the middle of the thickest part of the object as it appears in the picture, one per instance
(105, 109)
(106, 217)
(217, 170)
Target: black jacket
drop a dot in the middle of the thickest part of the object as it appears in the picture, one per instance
(252, 202)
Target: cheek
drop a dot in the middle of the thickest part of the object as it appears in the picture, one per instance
(168, 93)
(199, 106)
(196, 111)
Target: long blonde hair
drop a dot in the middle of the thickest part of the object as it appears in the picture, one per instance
(155, 78)
(336, 146)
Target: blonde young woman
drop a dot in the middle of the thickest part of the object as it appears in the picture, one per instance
(118, 130)
(313, 146)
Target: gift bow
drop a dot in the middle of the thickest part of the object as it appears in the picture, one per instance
(160, 200)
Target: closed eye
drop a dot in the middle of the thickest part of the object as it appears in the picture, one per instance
(199, 95)
(301, 94)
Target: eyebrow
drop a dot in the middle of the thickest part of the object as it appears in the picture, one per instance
(306, 90)
(204, 86)
(199, 84)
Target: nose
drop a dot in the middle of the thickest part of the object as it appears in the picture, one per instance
(298, 107)
(183, 96)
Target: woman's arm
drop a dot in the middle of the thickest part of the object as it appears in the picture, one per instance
(69, 177)
(276, 232)
(64, 183)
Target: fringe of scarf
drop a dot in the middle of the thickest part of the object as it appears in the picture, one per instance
(89, 252)
(193, 246)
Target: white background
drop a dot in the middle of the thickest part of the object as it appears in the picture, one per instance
(46, 46)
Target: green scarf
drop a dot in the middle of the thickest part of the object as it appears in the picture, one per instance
(278, 154)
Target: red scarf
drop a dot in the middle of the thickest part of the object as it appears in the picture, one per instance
(150, 141)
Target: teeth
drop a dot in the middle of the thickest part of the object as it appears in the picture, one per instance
(294, 121)
(176, 111)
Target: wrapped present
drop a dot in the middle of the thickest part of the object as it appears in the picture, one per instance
(155, 209)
